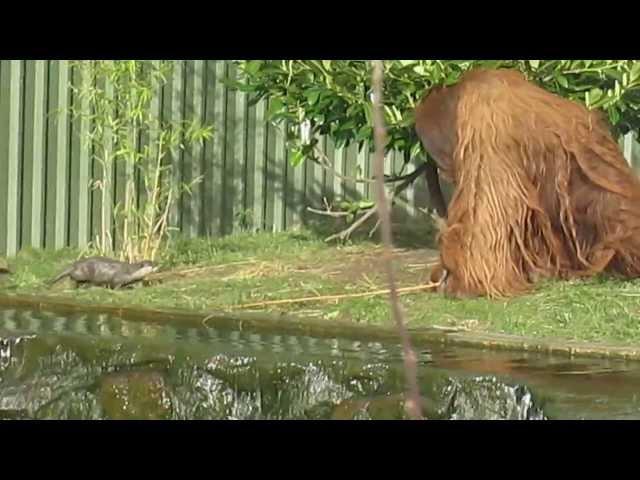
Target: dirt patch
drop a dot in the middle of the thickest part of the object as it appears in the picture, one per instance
(412, 266)
(344, 266)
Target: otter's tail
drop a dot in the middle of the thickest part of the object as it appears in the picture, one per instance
(60, 277)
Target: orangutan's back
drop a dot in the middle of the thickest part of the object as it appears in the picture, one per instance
(542, 187)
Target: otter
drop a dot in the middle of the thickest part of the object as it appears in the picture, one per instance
(106, 271)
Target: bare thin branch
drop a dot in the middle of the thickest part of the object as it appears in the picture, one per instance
(346, 233)
(413, 401)
(329, 213)
(333, 298)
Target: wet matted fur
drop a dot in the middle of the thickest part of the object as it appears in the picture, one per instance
(542, 189)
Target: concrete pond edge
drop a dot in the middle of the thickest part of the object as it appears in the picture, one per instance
(289, 324)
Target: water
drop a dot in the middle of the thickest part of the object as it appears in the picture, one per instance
(97, 366)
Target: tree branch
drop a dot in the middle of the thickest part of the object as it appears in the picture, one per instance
(346, 233)
(413, 402)
(329, 213)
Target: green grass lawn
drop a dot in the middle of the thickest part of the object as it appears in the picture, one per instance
(249, 268)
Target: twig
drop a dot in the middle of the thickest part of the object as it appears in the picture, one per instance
(413, 402)
(326, 298)
(449, 329)
(328, 213)
(375, 227)
(344, 234)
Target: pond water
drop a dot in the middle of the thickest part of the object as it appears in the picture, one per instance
(98, 366)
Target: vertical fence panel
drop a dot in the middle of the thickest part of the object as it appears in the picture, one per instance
(239, 157)
(368, 171)
(214, 150)
(361, 171)
(329, 179)
(397, 163)
(229, 194)
(310, 194)
(192, 165)
(310, 191)
(126, 184)
(250, 168)
(317, 185)
(208, 158)
(289, 196)
(351, 172)
(103, 196)
(173, 111)
(80, 163)
(20, 81)
(35, 101)
(10, 134)
(120, 172)
(411, 193)
(279, 179)
(57, 205)
(394, 169)
(150, 138)
(270, 176)
(630, 149)
(259, 170)
(635, 153)
(339, 167)
(297, 197)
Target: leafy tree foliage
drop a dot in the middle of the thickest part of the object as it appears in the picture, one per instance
(333, 98)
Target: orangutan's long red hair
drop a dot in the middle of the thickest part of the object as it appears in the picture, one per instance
(542, 189)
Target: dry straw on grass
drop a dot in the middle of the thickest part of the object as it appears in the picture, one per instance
(331, 298)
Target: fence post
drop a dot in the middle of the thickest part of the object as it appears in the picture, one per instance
(10, 133)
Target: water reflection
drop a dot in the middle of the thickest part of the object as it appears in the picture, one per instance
(96, 366)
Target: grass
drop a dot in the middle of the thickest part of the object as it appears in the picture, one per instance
(249, 268)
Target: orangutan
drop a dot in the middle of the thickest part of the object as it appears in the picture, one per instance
(541, 187)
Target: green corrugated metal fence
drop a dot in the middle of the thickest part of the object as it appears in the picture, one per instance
(46, 200)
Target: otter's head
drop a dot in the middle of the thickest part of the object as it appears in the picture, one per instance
(144, 268)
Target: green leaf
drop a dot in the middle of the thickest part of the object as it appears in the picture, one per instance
(535, 64)
(614, 116)
(420, 69)
(368, 113)
(275, 107)
(296, 157)
(252, 66)
(635, 71)
(416, 149)
(364, 133)
(562, 80)
(312, 96)
(594, 95)
(326, 64)
(363, 204)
